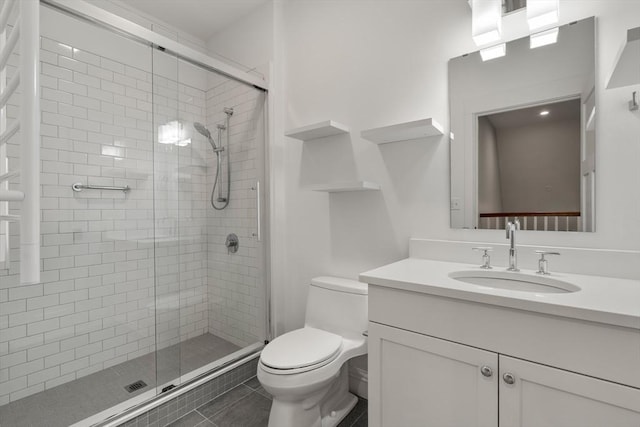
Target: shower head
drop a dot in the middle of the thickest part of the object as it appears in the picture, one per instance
(205, 132)
(202, 130)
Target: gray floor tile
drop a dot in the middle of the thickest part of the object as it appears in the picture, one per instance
(252, 382)
(251, 411)
(355, 414)
(192, 419)
(71, 402)
(221, 402)
(255, 385)
(363, 421)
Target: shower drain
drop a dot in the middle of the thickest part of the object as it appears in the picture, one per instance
(135, 386)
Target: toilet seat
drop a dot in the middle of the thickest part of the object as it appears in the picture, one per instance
(300, 351)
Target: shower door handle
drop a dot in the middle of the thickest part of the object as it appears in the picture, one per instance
(258, 212)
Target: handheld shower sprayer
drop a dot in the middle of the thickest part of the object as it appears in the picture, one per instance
(202, 130)
(223, 196)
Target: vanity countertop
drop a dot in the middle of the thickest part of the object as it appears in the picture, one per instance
(601, 299)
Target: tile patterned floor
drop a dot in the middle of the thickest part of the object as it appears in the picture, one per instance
(71, 402)
(248, 405)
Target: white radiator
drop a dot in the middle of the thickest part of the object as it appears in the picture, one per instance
(21, 33)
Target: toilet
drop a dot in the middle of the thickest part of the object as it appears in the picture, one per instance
(306, 370)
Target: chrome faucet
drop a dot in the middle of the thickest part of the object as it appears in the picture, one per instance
(512, 227)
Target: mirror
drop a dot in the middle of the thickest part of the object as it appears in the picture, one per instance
(523, 134)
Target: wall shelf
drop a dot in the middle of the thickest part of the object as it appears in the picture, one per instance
(403, 131)
(342, 187)
(625, 72)
(317, 130)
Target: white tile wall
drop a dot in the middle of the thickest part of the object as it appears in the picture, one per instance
(236, 285)
(180, 200)
(75, 322)
(97, 304)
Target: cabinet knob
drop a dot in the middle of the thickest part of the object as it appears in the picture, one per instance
(486, 371)
(509, 378)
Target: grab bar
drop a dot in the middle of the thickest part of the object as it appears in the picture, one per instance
(258, 233)
(79, 187)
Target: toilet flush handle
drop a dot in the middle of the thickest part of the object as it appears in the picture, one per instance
(365, 333)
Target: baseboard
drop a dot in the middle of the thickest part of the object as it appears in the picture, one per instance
(359, 382)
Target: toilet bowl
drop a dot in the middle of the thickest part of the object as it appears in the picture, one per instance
(305, 370)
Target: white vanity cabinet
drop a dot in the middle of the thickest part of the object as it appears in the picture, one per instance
(440, 361)
(416, 380)
(545, 396)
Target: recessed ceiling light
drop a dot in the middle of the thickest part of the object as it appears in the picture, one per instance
(544, 112)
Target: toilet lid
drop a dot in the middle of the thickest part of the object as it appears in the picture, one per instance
(301, 348)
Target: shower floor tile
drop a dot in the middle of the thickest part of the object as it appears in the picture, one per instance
(71, 402)
(248, 405)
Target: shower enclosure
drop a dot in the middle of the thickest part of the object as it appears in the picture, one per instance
(140, 290)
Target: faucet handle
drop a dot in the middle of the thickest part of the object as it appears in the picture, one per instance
(543, 266)
(486, 259)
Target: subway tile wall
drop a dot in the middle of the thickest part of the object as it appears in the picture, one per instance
(236, 288)
(96, 306)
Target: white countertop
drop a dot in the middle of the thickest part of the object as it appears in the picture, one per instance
(601, 299)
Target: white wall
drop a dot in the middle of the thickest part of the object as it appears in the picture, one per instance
(540, 166)
(489, 173)
(369, 64)
(247, 43)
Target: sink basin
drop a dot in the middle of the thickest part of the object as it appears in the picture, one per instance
(514, 281)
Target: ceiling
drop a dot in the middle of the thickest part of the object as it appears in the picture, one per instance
(564, 110)
(199, 18)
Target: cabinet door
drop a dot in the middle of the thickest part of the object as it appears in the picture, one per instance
(543, 396)
(416, 380)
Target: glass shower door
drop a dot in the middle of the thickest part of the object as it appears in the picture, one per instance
(210, 271)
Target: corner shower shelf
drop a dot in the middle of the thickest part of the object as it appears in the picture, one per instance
(317, 130)
(403, 131)
(342, 187)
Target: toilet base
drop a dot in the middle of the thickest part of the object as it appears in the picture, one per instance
(325, 407)
(333, 418)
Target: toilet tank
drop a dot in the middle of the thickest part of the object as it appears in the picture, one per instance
(338, 305)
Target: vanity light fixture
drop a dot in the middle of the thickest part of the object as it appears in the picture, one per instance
(493, 52)
(542, 13)
(544, 113)
(543, 38)
(486, 21)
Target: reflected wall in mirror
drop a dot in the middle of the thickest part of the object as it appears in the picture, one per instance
(523, 135)
(509, 6)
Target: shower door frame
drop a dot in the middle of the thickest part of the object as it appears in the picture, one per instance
(132, 30)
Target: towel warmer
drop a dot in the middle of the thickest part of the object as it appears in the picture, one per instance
(23, 33)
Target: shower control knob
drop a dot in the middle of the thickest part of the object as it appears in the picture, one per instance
(486, 371)
(232, 243)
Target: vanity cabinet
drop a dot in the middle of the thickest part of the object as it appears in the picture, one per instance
(436, 361)
(545, 396)
(417, 380)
